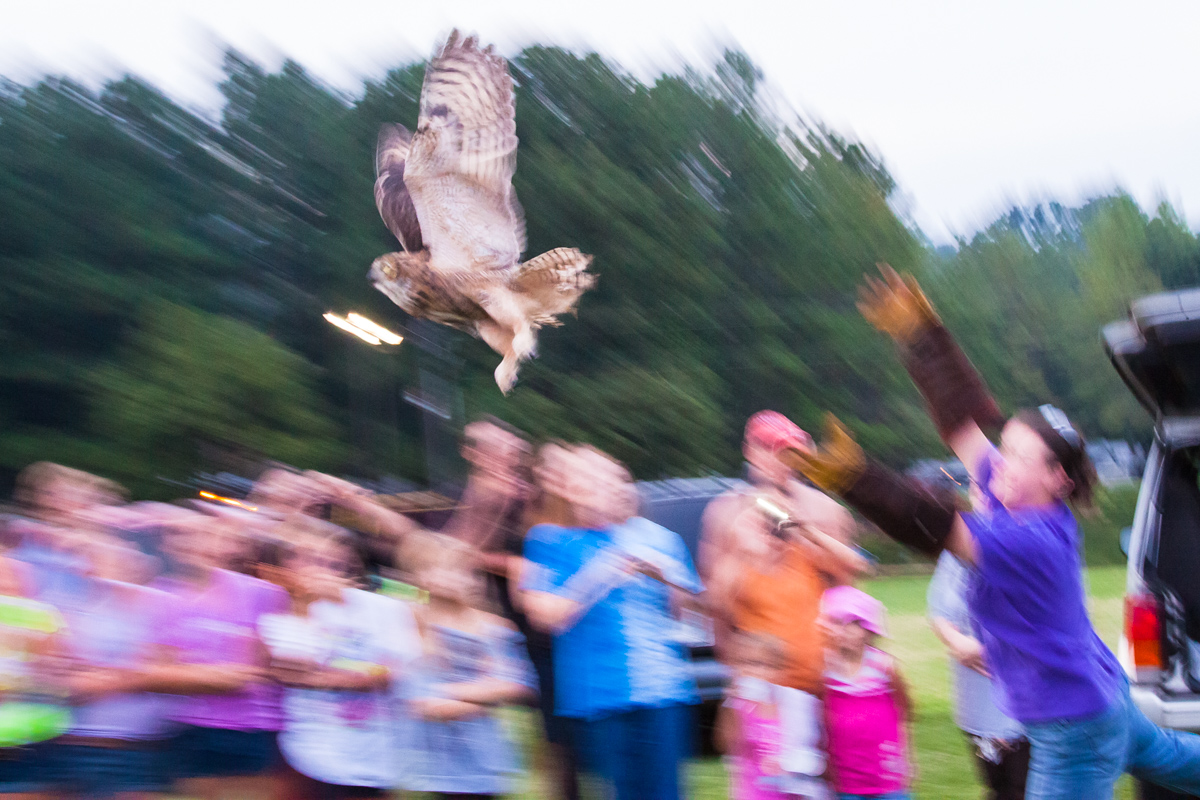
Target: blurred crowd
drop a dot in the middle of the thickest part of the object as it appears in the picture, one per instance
(256, 649)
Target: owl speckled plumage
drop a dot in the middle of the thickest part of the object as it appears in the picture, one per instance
(446, 193)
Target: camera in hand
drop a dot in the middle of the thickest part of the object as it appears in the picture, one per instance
(780, 519)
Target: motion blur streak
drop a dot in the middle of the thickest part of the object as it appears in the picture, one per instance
(380, 332)
(163, 271)
(347, 326)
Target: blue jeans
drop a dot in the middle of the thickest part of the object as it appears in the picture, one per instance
(94, 772)
(198, 752)
(888, 796)
(638, 752)
(1081, 759)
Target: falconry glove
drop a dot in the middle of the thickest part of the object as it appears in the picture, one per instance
(905, 509)
(953, 389)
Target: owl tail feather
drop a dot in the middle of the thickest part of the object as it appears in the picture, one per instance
(552, 283)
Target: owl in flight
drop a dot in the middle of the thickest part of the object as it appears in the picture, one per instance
(446, 193)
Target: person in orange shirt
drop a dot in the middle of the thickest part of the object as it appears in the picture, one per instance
(767, 554)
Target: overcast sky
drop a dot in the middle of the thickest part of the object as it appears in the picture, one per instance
(972, 105)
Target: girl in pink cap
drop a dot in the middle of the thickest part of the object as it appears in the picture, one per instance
(867, 708)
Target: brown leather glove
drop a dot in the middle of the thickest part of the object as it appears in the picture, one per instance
(953, 389)
(915, 515)
(835, 464)
(906, 510)
(896, 305)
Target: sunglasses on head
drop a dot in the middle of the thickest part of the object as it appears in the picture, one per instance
(1057, 420)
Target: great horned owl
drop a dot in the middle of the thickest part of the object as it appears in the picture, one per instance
(446, 193)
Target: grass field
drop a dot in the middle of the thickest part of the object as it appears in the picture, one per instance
(944, 768)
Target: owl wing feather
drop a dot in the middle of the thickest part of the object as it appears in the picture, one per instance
(467, 103)
(391, 194)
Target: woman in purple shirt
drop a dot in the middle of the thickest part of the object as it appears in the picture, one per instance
(229, 714)
(1027, 599)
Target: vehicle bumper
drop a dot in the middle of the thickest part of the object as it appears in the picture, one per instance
(1182, 713)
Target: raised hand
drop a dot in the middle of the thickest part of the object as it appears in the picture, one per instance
(895, 304)
(334, 489)
(638, 566)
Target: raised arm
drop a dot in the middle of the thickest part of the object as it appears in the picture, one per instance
(376, 518)
(958, 403)
(910, 512)
(957, 399)
(510, 678)
(554, 604)
(827, 532)
(548, 612)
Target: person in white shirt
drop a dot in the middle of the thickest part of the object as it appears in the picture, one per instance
(337, 652)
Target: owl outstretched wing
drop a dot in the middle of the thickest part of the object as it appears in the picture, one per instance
(552, 284)
(391, 194)
(463, 155)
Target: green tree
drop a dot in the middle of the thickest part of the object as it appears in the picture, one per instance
(728, 235)
(185, 378)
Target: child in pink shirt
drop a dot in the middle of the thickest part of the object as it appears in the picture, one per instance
(766, 729)
(748, 725)
(867, 708)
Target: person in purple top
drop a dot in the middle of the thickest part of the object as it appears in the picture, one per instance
(115, 643)
(1026, 598)
(230, 714)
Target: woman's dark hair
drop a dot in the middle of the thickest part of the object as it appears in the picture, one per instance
(273, 552)
(356, 564)
(1071, 455)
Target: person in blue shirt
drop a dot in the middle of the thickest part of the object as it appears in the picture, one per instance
(604, 591)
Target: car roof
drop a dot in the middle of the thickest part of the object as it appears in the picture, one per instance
(678, 503)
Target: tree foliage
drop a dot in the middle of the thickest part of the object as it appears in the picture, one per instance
(184, 376)
(164, 276)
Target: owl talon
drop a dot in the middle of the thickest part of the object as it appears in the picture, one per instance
(525, 344)
(506, 374)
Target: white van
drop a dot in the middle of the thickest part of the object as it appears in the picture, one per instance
(1157, 352)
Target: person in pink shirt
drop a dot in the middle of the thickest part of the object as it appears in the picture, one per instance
(229, 716)
(748, 725)
(770, 732)
(867, 707)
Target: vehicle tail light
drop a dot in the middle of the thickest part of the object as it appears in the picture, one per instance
(1143, 630)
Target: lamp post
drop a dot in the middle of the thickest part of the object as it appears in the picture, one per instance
(370, 332)
(437, 395)
(359, 375)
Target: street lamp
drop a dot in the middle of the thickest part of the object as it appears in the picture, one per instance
(373, 334)
(358, 325)
(384, 335)
(437, 397)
